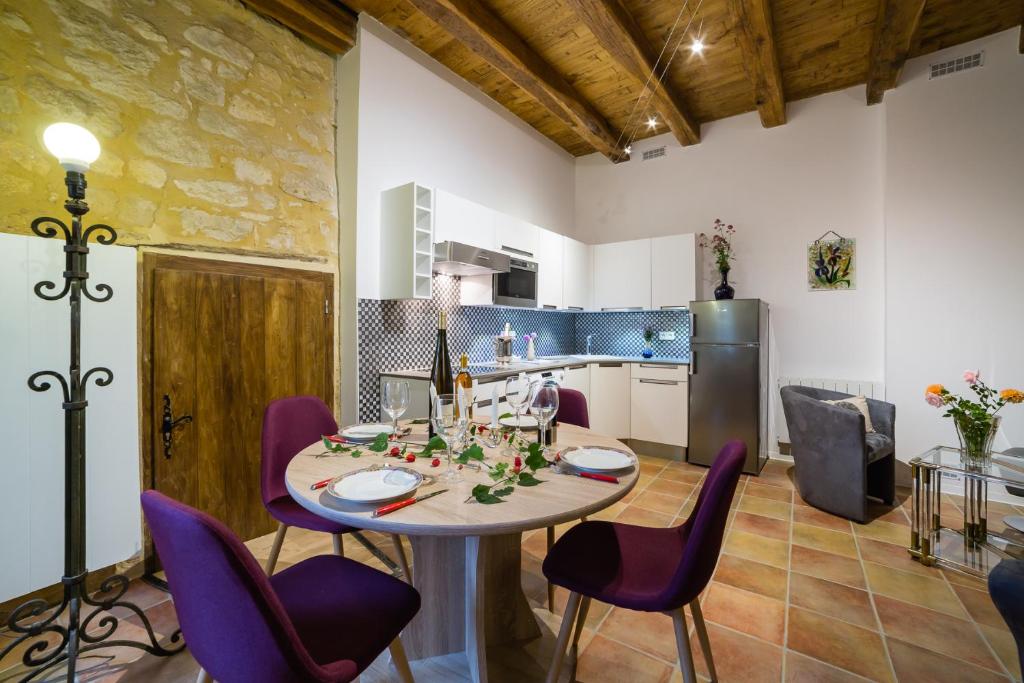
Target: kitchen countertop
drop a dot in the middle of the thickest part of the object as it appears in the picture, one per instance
(485, 372)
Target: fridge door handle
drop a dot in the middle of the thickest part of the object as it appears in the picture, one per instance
(693, 324)
(693, 361)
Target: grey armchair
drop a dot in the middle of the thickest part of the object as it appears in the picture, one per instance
(838, 465)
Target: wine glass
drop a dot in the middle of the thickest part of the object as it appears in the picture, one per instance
(543, 406)
(396, 400)
(451, 428)
(517, 395)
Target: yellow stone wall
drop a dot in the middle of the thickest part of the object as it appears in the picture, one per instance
(217, 126)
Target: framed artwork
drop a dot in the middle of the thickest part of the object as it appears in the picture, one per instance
(832, 263)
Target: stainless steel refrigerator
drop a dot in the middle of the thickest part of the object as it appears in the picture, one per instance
(729, 391)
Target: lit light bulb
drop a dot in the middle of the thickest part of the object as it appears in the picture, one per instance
(697, 46)
(74, 146)
(652, 123)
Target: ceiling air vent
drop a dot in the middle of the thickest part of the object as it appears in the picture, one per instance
(957, 65)
(654, 153)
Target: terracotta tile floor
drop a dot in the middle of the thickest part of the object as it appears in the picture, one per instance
(798, 595)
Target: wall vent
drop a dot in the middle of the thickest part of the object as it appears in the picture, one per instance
(952, 66)
(653, 153)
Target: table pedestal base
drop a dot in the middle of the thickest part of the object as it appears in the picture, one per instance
(472, 597)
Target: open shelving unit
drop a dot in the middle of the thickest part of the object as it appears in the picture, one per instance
(407, 242)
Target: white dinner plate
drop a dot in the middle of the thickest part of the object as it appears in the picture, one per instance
(597, 459)
(365, 432)
(376, 486)
(527, 422)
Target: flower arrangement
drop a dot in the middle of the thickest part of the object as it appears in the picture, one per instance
(720, 244)
(648, 351)
(976, 421)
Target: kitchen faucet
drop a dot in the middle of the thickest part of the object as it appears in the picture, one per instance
(590, 338)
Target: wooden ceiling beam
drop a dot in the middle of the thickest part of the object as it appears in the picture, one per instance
(754, 33)
(621, 37)
(896, 24)
(478, 28)
(325, 23)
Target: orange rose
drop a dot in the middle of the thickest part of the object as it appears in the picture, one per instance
(935, 389)
(1012, 395)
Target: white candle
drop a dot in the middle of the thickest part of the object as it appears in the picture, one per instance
(494, 405)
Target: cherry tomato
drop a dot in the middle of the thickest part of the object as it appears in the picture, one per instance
(436, 462)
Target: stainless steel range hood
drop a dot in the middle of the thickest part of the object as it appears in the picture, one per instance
(455, 258)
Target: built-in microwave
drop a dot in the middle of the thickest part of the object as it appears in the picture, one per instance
(517, 287)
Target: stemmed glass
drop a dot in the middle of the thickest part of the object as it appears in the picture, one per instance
(517, 395)
(543, 406)
(451, 428)
(396, 400)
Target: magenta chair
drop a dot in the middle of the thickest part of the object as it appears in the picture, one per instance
(289, 425)
(572, 408)
(648, 569)
(323, 620)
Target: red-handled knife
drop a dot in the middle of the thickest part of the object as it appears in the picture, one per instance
(320, 484)
(598, 477)
(391, 507)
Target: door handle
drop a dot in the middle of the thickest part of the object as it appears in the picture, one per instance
(693, 324)
(658, 381)
(693, 362)
(168, 424)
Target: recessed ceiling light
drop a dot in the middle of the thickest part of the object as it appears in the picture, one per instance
(697, 46)
(652, 123)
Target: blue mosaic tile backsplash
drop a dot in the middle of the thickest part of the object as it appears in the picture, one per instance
(399, 334)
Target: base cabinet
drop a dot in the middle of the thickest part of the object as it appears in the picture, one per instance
(578, 377)
(609, 399)
(658, 411)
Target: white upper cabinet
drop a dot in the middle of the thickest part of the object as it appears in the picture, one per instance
(460, 220)
(576, 276)
(406, 242)
(674, 271)
(549, 269)
(622, 275)
(515, 237)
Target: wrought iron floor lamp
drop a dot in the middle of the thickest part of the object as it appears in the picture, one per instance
(76, 148)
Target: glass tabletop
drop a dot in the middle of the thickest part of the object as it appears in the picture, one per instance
(1004, 468)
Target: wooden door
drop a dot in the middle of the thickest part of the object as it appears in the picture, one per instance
(225, 339)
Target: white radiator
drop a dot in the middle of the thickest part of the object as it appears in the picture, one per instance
(856, 387)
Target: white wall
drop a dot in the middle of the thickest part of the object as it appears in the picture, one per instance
(418, 121)
(34, 337)
(954, 216)
(782, 188)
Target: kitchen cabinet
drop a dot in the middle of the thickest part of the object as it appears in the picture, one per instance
(549, 269)
(578, 377)
(515, 237)
(674, 271)
(659, 400)
(576, 274)
(622, 275)
(406, 242)
(609, 399)
(460, 220)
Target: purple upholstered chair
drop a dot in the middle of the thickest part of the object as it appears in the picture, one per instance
(322, 620)
(289, 425)
(648, 569)
(572, 408)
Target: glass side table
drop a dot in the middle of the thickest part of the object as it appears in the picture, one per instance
(975, 549)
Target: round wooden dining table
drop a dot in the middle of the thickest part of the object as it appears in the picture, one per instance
(466, 555)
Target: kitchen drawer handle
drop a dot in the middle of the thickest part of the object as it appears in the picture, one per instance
(575, 308)
(485, 403)
(658, 381)
(549, 307)
(505, 247)
(609, 365)
(482, 257)
(622, 308)
(673, 308)
(577, 367)
(659, 366)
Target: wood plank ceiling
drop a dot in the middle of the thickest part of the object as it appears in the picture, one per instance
(578, 70)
